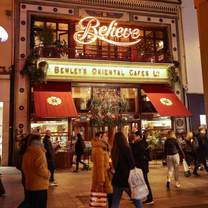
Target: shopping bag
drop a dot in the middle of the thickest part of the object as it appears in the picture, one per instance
(74, 160)
(98, 199)
(187, 172)
(2, 190)
(137, 184)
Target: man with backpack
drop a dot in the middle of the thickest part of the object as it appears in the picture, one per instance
(201, 150)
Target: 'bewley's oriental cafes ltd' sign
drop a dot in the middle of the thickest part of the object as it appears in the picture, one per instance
(101, 71)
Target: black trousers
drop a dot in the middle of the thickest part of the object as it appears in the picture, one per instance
(37, 199)
(188, 157)
(201, 160)
(149, 196)
(51, 168)
(79, 161)
(110, 200)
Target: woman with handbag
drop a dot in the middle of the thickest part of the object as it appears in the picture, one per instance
(100, 158)
(123, 162)
(172, 150)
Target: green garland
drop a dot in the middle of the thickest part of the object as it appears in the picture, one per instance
(37, 74)
(173, 75)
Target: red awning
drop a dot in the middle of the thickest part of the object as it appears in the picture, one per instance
(54, 101)
(165, 101)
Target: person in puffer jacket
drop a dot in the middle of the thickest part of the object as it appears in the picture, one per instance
(35, 168)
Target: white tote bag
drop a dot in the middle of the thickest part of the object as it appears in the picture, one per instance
(137, 184)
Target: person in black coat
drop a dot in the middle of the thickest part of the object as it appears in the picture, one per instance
(202, 151)
(123, 162)
(138, 149)
(49, 156)
(79, 150)
(188, 148)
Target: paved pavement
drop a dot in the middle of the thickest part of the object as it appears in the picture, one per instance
(74, 189)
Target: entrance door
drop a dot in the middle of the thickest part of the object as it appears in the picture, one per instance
(83, 128)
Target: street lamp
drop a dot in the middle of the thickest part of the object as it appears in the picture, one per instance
(3, 34)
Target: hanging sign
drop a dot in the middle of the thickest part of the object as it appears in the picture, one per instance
(92, 32)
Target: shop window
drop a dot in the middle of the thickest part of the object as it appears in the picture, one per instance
(158, 123)
(131, 95)
(140, 46)
(38, 24)
(81, 96)
(62, 26)
(153, 40)
(51, 24)
(141, 32)
(150, 46)
(59, 129)
(149, 34)
(158, 34)
(63, 38)
(159, 46)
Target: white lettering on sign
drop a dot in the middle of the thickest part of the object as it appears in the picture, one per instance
(92, 29)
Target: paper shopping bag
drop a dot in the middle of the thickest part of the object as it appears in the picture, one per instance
(98, 199)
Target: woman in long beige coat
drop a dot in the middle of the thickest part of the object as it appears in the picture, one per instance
(100, 158)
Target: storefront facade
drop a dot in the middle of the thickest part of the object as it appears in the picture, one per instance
(125, 51)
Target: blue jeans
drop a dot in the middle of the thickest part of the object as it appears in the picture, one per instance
(149, 196)
(117, 193)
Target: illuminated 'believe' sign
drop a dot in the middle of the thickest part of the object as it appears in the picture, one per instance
(92, 32)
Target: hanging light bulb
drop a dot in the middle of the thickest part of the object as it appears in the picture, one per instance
(3, 34)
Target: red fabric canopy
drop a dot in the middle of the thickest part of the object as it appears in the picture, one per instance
(54, 103)
(165, 101)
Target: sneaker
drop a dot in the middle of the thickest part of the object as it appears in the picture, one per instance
(75, 171)
(196, 174)
(86, 167)
(190, 168)
(54, 183)
(148, 202)
(177, 185)
(168, 185)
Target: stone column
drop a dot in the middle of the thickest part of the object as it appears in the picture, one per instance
(202, 14)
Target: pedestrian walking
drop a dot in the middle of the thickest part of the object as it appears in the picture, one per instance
(36, 172)
(172, 150)
(188, 148)
(123, 162)
(201, 154)
(49, 156)
(139, 147)
(100, 158)
(79, 150)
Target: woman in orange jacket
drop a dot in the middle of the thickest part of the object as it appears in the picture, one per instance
(100, 158)
(37, 175)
